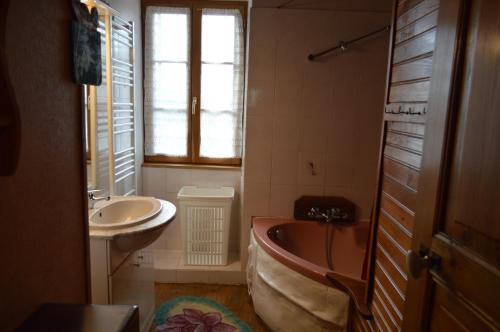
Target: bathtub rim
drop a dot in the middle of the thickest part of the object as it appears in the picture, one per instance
(355, 287)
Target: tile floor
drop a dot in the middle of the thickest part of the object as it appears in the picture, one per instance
(169, 268)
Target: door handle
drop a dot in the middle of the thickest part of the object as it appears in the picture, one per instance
(193, 105)
(423, 259)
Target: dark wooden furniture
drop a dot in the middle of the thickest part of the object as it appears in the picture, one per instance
(83, 318)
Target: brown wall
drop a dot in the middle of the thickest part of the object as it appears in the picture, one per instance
(43, 234)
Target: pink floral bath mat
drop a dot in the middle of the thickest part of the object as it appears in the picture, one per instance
(197, 314)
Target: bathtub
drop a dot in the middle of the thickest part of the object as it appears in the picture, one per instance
(289, 278)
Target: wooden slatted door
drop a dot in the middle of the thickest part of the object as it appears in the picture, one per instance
(455, 258)
(408, 85)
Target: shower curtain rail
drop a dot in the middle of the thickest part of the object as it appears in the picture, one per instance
(342, 45)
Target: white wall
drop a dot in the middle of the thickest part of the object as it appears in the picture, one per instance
(327, 112)
(165, 182)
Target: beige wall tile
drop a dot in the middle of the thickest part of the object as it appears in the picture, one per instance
(284, 166)
(340, 169)
(327, 112)
(286, 133)
(313, 135)
(282, 199)
(304, 190)
(305, 171)
(256, 200)
(260, 97)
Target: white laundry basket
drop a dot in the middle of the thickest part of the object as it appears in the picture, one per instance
(205, 217)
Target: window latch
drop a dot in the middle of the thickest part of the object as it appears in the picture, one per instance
(193, 105)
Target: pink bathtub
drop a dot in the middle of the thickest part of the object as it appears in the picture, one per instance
(301, 246)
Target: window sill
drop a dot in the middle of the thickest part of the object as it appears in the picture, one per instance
(192, 166)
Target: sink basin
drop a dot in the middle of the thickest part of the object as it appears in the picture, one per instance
(124, 212)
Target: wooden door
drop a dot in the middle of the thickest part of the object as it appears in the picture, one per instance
(455, 258)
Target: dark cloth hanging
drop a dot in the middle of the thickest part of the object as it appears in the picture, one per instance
(86, 40)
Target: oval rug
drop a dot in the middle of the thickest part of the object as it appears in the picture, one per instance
(197, 314)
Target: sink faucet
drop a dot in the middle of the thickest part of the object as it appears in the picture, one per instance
(92, 199)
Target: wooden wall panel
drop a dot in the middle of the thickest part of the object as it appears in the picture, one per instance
(410, 92)
(402, 156)
(452, 313)
(415, 47)
(421, 25)
(395, 230)
(402, 194)
(409, 80)
(414, 144)
(398, 211)
(399, 277)
(410, 11)
(386, 312)
(403, 174)
(394, 248)
(387, 285)
(407, 127)
(409, 71)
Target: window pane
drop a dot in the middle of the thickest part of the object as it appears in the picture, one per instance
(170, 36)
(221, 83)
(217, 37)
(169, 86)
(217, 87)
(166, 84)
(168, 134)
(218, 137)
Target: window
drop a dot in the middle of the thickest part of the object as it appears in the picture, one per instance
(193, 81)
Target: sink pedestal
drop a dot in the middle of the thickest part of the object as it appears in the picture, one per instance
(123, 278)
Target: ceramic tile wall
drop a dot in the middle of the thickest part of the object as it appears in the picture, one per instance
(327, 112)
(165, 183)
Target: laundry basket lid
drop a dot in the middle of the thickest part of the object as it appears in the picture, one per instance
(189, 192)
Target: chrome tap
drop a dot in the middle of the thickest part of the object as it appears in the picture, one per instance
(316, 213)
(337, 213)
(328, 215)
(92, 199)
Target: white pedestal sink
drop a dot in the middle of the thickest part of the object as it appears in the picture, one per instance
(122, 212)
(121, 268)
(132, 222)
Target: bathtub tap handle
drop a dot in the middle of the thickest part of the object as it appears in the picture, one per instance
(313, 212)
(337, 213)
(317, 214)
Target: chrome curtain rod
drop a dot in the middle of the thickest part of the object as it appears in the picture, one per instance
(343, 45)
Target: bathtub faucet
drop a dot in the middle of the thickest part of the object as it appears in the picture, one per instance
(328, 215)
